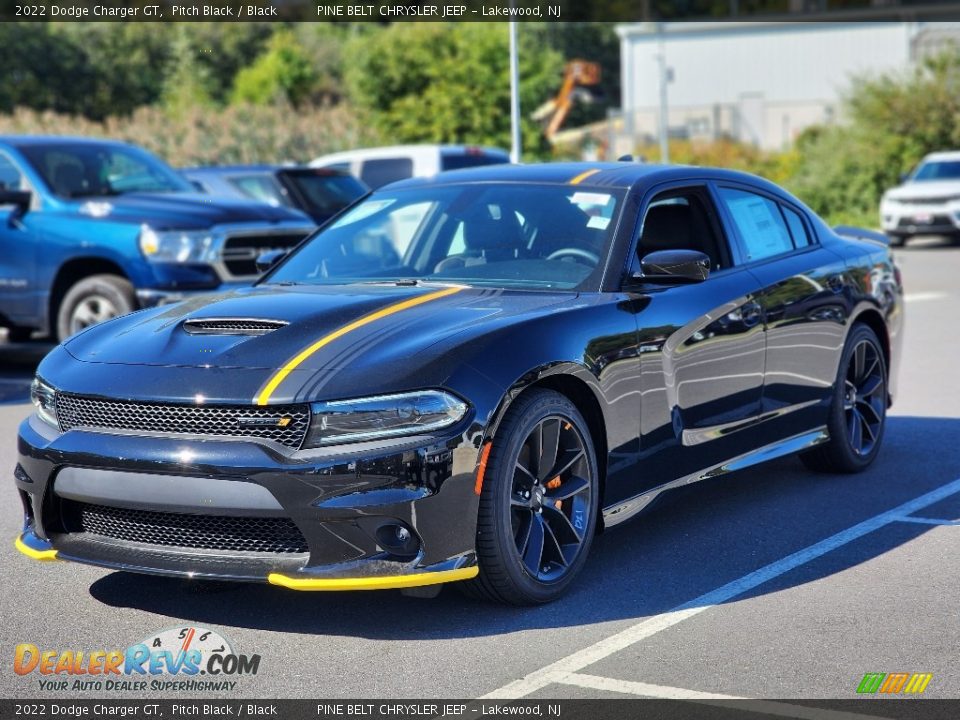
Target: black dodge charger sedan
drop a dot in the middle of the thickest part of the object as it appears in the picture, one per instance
(465, 378)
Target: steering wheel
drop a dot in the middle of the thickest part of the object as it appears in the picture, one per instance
(577, 254)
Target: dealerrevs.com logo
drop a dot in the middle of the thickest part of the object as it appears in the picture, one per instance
(179, 659)
(894, 683)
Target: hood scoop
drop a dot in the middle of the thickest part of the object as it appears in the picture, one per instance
(232, 326)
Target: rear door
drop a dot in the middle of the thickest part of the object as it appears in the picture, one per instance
(804, 302)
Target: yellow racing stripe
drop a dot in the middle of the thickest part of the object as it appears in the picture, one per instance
(264, 397)
(583, 176)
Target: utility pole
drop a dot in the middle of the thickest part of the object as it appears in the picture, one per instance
(665, 77)
(515, 149)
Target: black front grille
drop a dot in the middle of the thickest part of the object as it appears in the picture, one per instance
(201, 532)
(285, 424)
(934, 220)
(240, 252)
(232, 326)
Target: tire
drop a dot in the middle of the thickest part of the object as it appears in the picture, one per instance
(897, 240)
(19, 334)
(530, 548)
(858, 412)
(93, 300)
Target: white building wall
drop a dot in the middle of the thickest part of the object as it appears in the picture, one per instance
(765, 81)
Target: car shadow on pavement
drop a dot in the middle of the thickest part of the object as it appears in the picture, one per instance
(700, 539)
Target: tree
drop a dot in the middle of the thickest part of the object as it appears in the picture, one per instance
(449, 83)
(283, 72)
(890, 123)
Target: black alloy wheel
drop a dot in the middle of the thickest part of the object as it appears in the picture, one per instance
(538, 506)
(551, 498)
(858, 412)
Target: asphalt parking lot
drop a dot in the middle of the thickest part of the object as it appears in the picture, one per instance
(769, 583)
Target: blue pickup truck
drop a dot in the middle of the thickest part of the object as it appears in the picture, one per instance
(91, 229)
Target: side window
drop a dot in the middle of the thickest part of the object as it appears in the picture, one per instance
(10, 176)
(759, 222)
(679, 220)
(377, 173)
(798, 230)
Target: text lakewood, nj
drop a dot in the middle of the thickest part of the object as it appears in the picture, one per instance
(438, 11)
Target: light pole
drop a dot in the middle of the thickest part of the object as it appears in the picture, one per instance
(515, 149)
(665, 77)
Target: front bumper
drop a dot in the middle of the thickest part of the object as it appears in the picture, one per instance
(154, 500)
(898, 218)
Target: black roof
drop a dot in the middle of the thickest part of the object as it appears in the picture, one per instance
(587, 174)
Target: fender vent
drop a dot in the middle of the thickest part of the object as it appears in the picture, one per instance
(232, 326)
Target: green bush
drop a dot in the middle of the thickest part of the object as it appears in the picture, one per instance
(197, 136)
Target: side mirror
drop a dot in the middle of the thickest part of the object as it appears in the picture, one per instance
(673, 267)
(268, 259)
(20, 199)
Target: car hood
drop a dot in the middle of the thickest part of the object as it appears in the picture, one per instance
(373, 334)
(181, 211)
(933, 189)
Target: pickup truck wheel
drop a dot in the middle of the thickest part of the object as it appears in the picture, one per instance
(93, 300)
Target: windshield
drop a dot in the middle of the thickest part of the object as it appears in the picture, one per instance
(490, 234)
(938, 171)
(79, 170)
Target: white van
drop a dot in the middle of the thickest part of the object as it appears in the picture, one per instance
(379, 166)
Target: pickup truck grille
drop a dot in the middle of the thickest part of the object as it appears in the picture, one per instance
(240, 252)
(285, 424)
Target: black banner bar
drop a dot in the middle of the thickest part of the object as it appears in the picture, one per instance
(627, 709)
(384, 11)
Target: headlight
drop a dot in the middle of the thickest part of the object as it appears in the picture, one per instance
(177, 246)
(44, 399)
(383, 416)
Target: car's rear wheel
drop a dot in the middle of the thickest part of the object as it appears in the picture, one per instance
(94, 300)
(858, 413)
(897, 240)
(538, 505)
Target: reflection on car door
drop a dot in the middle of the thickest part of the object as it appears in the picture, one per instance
(805, 306)
(701, 345)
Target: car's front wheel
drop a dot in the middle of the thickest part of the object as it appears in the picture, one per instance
(858, 413)
(538, 505)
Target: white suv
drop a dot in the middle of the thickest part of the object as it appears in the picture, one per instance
(382, 165)
(928, 201)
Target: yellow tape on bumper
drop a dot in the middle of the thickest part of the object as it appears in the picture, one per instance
(42, 555)
(386, 582)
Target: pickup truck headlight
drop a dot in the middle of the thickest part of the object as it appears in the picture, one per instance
(177, 246)
(371, 418)
(44, 399)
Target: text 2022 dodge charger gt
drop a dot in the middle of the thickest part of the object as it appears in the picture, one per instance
(465, 378)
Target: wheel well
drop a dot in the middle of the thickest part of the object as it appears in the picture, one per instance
(73, 271)
(873, 320)
(586, 402)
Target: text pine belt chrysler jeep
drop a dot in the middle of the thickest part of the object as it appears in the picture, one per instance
(91, 229)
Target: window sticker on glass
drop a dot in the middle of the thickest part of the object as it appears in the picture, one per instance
(589, 198)
(600, 223)
(365, 210)
(759, 222)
